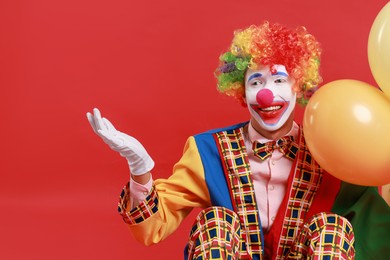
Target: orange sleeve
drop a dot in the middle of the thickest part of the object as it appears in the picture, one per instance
(170, 200)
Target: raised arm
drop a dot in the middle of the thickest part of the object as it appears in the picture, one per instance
(139, 161)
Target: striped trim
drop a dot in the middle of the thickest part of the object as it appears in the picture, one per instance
(237, 170)
(305, 183)
(145, 210)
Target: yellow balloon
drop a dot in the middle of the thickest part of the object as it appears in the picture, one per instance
(347, 129)
(379, 49)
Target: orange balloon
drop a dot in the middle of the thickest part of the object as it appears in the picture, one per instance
(347, 129)
(379, 49)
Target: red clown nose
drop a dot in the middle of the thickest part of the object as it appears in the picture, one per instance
(264, 97)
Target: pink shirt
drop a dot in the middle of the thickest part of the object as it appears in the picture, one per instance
(138, 192)
(269, 178)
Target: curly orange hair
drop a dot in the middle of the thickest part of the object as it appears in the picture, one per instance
(269, 44)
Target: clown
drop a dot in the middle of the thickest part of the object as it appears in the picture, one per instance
(263, 196)
(270, 98)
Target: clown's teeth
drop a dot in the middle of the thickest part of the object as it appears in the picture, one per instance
(270, 108)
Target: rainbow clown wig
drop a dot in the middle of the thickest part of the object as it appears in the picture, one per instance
(269, 44)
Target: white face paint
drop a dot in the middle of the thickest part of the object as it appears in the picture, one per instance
(273, 113)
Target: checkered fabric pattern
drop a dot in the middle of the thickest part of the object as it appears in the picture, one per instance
(140, 213)
(237, 171)
(215, 235)
(324, 236)
(305, 183)
(285, 145)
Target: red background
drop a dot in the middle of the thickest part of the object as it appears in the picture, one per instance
(148, 65)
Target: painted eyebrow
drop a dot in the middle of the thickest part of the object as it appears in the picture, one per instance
(280, 73)
(255, 75)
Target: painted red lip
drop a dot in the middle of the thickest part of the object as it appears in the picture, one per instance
(271, 114)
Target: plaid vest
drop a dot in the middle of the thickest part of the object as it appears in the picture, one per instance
(228, 177)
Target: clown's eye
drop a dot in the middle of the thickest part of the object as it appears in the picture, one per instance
(257, 83)
(280, 80)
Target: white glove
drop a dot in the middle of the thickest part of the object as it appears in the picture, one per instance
(139, 160)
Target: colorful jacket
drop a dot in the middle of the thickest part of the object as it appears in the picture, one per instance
(214, 171)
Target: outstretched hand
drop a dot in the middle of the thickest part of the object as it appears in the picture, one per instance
(139, 160)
